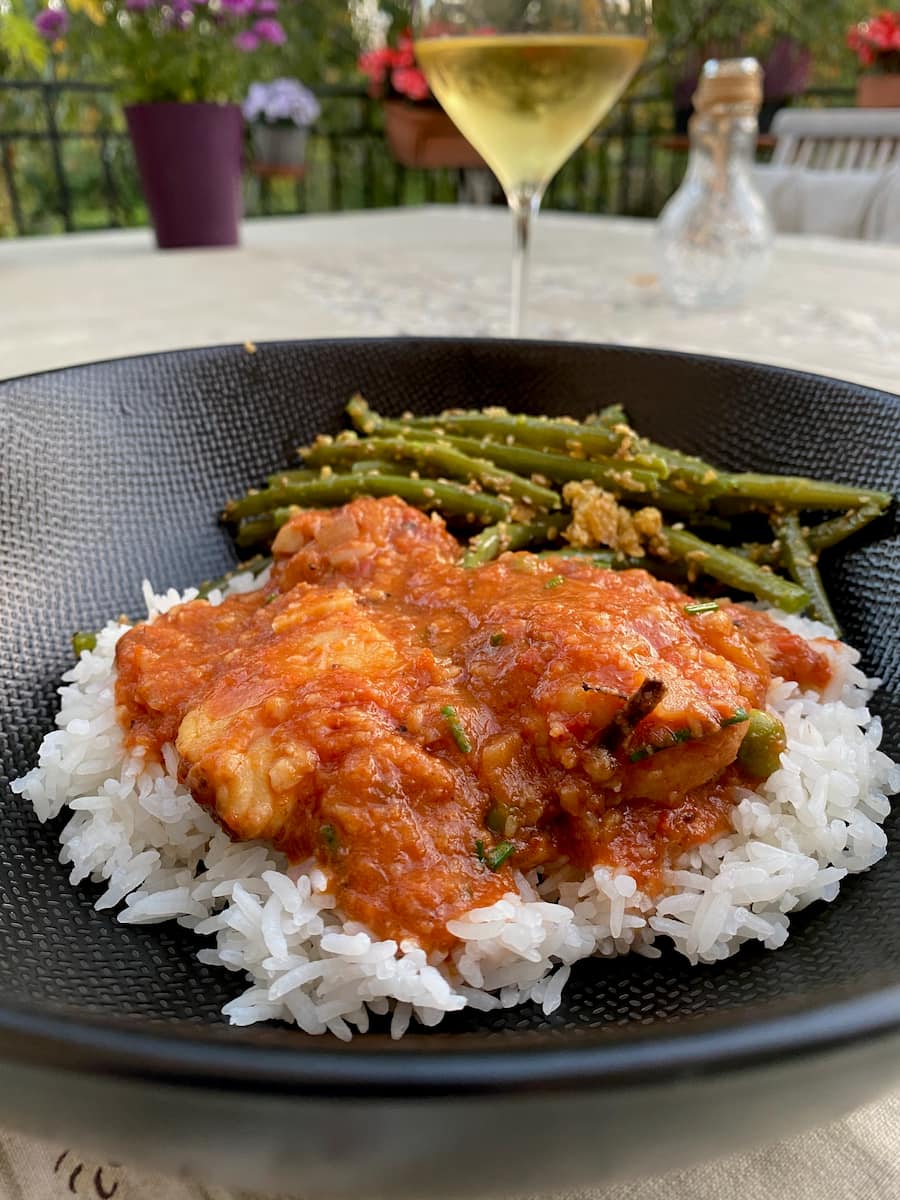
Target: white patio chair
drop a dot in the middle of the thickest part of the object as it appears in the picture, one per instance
(837, 139)
(835, 171)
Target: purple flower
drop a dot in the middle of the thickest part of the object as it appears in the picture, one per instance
(270, 30)
(51, 23)
(281, 100)
(267, 8)
(246, 40)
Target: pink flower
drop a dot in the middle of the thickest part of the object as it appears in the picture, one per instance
(271, 31)
(51, 23)
(246, 41)
(267, 8)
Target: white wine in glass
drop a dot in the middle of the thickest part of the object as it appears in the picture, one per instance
(527, 98)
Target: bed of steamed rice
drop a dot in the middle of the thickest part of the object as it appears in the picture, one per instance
(136, 829)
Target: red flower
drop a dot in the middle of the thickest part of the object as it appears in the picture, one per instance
(410, 82)
(876, 42)
(398, 65)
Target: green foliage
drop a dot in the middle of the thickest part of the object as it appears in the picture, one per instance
(157, 56)
(20, 43)
(689, 29)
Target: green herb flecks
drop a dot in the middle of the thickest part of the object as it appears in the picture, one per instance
(702, 606)
(328, 836)
(457, 730)
(479, 850)
(496, 857)
(737, 718)
(497, 639)
(555, 582)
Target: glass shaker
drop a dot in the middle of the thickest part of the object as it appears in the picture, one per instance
(715, 234)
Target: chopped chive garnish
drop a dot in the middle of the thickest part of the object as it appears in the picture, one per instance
(497, 639)
(448, 712)
(677, 736)
(555, 582)
(328, 837)
(497, 857)
(740, 715)
(272, 598)
(702, 606)
(83, 641)
(479, 850)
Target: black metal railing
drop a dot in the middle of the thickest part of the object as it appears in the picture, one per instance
(66, 162)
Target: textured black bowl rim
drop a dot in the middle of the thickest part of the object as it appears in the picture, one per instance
(422, 1066)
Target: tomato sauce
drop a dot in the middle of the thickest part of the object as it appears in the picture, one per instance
(423, 730)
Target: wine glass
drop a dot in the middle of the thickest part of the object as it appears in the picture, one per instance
(526, 81)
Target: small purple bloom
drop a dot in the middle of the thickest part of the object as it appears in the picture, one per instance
(267, 8)
(281, 100)
(247, 41)
(271, 31)
(51, 23)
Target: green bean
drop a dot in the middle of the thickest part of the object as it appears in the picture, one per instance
(610, 416)
(337, 489)
(511, 535)
(293, 475)
(801, 566)
(380, 466)
(254, 565)
(792, 491)
(822, 536)
(734, 571)
(830, 533)
(527, 430)
(558, 468)
(440, 455)
(261, 527)
(686, 467)
(760, 751)
(518, 429)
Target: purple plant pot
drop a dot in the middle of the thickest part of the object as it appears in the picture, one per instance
(189, 162)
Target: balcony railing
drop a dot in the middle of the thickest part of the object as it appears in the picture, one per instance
(66, 162)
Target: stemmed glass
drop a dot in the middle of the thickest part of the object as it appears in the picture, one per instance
(526, 81)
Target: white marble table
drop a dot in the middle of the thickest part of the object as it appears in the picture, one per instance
(827, 306)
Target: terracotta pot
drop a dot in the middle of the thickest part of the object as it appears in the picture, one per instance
(419, 135)
(878, 91)
(189, 161)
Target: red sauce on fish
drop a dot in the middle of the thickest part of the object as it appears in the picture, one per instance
(423, 729)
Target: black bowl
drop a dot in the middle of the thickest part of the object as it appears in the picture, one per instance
(111, 1037)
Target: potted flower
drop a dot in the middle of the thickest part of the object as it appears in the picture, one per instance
(419, 133)
(280, 114)
(177, 65)
(876, 43)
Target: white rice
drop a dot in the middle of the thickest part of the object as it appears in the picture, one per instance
(162, 858)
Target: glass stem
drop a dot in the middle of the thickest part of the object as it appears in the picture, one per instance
(524, 205)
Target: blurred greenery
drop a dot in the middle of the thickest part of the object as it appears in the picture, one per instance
(348, 164)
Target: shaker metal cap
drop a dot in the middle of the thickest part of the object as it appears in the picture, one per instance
(729, 81)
